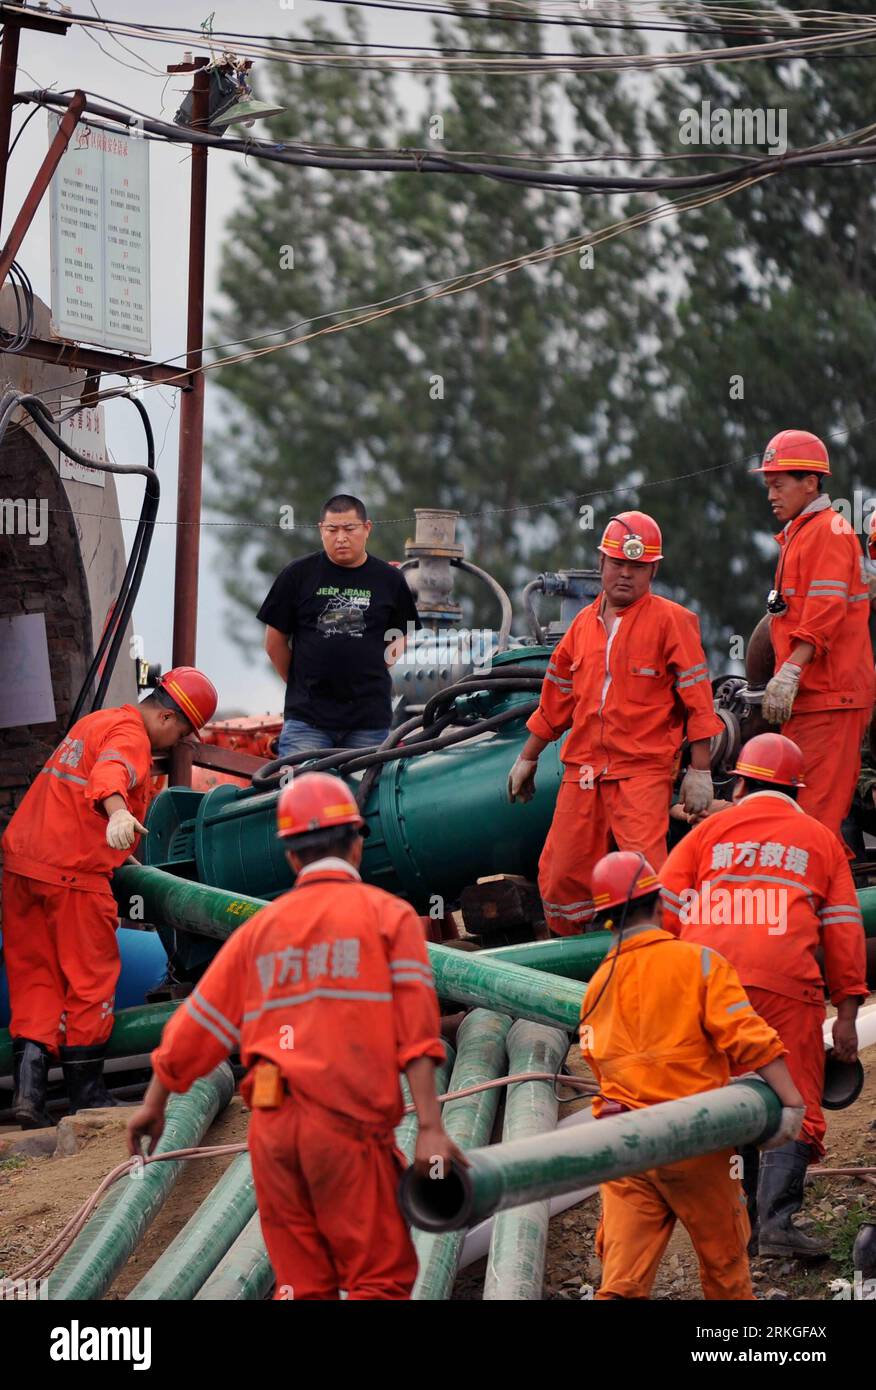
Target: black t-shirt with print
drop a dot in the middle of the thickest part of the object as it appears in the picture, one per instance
(338, 619)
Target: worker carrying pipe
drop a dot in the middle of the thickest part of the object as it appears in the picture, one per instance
(628, 681)
(663, 1019)
(821, 695)
(79, 821)
(327, 995)
(767, 885)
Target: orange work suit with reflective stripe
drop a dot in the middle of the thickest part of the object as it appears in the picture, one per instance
(332, 984)
(820, 577)
(626, 700)
(663, 1019)
(767, 885)
(59, 915)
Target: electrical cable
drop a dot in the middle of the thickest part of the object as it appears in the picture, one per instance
(17, 341)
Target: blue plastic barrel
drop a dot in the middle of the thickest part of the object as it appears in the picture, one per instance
(144, 961)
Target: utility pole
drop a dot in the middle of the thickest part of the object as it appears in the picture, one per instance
(13, 22)
(191, 416)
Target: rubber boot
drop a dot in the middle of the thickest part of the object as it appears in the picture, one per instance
(779, 1197)
(30, 1070)
(750, 1169)
(83, 1075)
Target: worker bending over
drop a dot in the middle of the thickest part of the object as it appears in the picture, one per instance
(767, 886)
(663, 1019)
(821, 695)
(327, 995)
(629, 679)
(80, 819)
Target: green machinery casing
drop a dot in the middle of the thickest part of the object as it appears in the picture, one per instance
(436, 821)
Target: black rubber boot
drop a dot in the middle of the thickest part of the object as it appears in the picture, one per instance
(779, 1197)
(83, 1075)
(30, 1070)
(750, 1169)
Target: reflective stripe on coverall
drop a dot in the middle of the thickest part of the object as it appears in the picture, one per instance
(766, 885)
(669, 1024)
(332, 983)
(627, 700)
(820, 577)
(59, 916)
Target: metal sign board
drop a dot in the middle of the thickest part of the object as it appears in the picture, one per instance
(100, 239)
(86, 433)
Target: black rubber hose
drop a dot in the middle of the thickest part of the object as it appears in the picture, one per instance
(452, 693)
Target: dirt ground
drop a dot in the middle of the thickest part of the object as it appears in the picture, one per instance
(38, 1194)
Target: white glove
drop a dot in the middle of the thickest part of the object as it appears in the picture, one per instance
(780, 694)
(521, 780)
(122, 829)
(697, 790)
(789, 1127)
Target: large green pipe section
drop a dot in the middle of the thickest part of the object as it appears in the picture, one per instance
(529, 1170)
(470, 978)
(135, 1031)
(145, 895)
(515, 1265)
(117, 1226)
(406, 1130)
(193, 1254)
(574, 957)
(480, 1056)
(244, 1273)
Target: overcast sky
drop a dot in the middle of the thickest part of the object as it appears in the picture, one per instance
(77, 61)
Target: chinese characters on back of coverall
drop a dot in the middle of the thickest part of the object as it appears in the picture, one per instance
(79, 820)
(823, 691)
(331, 984)
(767, 885)
(627, 692)
(663, 1019)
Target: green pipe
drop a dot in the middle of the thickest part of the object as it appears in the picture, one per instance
(481, 1056)
(472, 978)
(135, 1031)
(117, 1226)
(150, 895)
(193, 1254)
(244, 1273)
(528, 1170)
(515, 1268)
(867, 904)
(575, 957)
(406, 1131)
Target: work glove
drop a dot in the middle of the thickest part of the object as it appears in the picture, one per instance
(122, 830)
(780, 694)
(521, 780)
(697, 790)
(789, 1127)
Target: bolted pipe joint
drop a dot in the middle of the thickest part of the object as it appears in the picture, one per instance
(528, 1170)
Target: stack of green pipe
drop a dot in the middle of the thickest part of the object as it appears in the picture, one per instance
(117, 1226)
(480, 1056)
(244, 1273)
(193, 1254)
(515, 1267)
(406, 1131)
(574, 957)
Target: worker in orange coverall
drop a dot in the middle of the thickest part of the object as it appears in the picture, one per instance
(80, 819)
(663, 1019)
(767, 885)
(821, 695)
(629, 679)
(327, 996)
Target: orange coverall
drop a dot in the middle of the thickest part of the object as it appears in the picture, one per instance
(332, 984)
(627, 700)
(766, 885)
(672, 1018)
(820, 577)
(59, 914)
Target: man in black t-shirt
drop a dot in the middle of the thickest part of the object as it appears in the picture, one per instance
(335, 621)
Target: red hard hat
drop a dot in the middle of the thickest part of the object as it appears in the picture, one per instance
(621, 877)
(192, 693)
(315, 801)
(794, 451)
(771, 758)
(632, 536)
